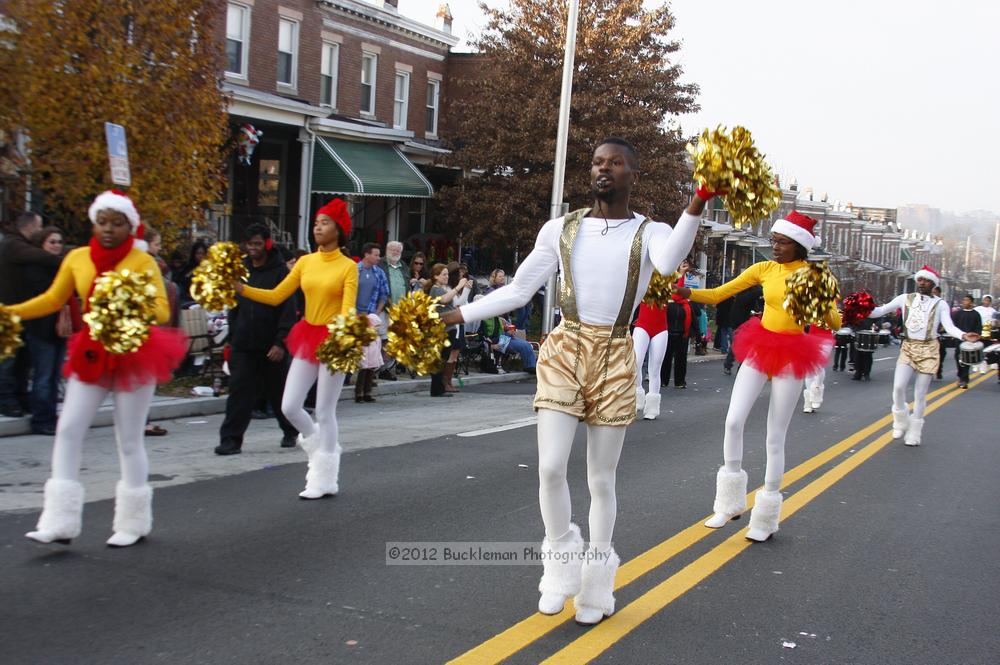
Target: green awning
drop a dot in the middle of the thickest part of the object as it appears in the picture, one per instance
(368, 169)
(904, 254)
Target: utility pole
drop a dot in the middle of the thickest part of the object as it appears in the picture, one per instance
(562, 136)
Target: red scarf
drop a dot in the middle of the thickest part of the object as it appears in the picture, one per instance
(105, 260)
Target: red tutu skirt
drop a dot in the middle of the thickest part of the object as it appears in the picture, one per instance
(782, 354)
(154, 362)
(304, 338)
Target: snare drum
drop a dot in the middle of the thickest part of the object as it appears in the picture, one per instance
(995, 332)
(866, 340)
(992, 354)
(970, 353)
(883, 337)
(843, 338)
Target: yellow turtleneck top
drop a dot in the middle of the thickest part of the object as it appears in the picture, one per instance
(329, 281)
(771, 275)
(78, 271)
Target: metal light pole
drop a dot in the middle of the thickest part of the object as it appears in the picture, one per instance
(562, 135)
(993, 264)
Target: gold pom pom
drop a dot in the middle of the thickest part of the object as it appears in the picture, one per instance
(122, 307)
(810, 293)
(212, 281)
(658, 291)
(729, 162)
(417, 334)
(342, 349)
(10, 333)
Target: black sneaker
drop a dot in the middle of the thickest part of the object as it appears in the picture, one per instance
(288, 441)
(728, 371)
(13, 411)
(43, 430)
(228, 447)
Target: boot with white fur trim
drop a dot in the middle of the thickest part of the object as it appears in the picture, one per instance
(596, 599)
(730, 497)
(640, 400)
(914, 432)
(816, 397)
(133, 515)
(562, 559)
(765, 515)
(310, 444)
(900, 421)
(807, 403)
(652, 407)
(321, 478)
(62, 513)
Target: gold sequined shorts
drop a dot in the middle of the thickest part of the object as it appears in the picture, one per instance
(588, 372)
(921, 355)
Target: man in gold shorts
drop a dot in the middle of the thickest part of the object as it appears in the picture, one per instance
(586, 367)
(923, 312)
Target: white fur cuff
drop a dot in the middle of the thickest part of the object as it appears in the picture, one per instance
(730, 492)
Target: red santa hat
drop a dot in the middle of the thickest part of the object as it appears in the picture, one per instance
(337, 211)
(799, 228)
(119, 201)
(928, 273)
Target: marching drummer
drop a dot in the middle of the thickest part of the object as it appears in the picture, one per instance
(922, 313)
(863, 349)
(967, 319)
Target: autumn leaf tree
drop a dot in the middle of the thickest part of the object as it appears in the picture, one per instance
(625, 84)
(69, 66)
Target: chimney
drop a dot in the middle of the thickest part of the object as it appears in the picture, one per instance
(443, 20)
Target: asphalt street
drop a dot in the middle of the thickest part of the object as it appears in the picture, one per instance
(886, 554)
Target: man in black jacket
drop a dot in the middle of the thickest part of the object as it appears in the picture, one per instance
(17, 253)
(967, 319)
(257, 358)
(745, 304)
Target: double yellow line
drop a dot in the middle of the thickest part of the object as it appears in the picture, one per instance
(601, 637)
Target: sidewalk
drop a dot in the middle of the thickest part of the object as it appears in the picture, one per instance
(166, 408)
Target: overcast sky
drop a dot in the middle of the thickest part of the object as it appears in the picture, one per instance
(878, 102)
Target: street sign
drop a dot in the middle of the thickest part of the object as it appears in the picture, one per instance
(118, 154)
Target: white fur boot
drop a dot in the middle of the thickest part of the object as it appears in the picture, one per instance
(133, 515)
(652, 407)
(914, 431)
(310, 444)
(596, 599)
(900, 421)
(816, 397)
(765, 515)
(561, 570)
(640, 400)
(321, 478)
(730, 497)
(807, 403)
(62, 512)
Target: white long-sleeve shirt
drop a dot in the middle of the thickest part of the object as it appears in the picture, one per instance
(599, 264)
(942, 318)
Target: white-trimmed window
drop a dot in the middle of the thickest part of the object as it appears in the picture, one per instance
(288, 52)
(433, 98)
(237, 39)
(369, 67)
(328, 74)
(401, 100)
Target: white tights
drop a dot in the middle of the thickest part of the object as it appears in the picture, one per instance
(899, 382)
(79, 408)
(301, 376)
(657, 349)
(604, 445)
(784, 396)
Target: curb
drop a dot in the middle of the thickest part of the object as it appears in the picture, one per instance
(182, 407)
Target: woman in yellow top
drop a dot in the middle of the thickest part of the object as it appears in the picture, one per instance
(92, 372)
(771, 348)
(329, 280)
